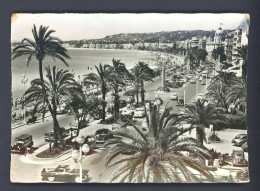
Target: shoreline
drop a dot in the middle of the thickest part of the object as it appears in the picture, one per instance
(18, 92)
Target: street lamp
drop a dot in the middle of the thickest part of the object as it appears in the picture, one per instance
(77, 155)
(79, 79)
(24, 80)
(184, 86)
(197, 87)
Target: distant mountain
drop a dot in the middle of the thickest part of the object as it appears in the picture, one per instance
(164, 36)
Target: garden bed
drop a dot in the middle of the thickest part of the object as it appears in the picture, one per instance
(55, 152)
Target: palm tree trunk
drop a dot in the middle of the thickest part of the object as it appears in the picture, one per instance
(116, 103)
(53, 112)
(199, 135)
(142, 93)
(104, 104)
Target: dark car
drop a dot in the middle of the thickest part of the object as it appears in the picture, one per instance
(180, 102)
(239, 140)
(238, 158)
(102, 135)
(23, 143)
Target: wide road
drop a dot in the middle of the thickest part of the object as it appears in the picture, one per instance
(38, 129)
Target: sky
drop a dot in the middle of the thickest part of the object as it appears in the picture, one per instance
(94, 26)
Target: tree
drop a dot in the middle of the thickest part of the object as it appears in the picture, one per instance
(59, 85)
(219, 52)
(103, 79)
(201, 55)
(42, 46)
(242, 54)
(139, 74)
(120, 70)
(157, 154)
(238, 94)
(219, 88)
(200, 115)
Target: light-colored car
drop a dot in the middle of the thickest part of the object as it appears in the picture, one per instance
(189, 76)
(139, 112)
(200, 96)
(192, 81)
(174, 96)
(127, 111)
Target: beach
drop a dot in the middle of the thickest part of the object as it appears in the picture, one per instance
(83, 61)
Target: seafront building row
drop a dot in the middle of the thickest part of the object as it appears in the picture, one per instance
(230, 41)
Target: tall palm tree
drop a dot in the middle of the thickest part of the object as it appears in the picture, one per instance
(43, 45)
(119, 69)
(59, 85)
(156, 155)
(238, 93)
(242, 54)
(139, 74)
(200, 115)
(103, 79)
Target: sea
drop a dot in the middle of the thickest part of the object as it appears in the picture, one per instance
(82, 62)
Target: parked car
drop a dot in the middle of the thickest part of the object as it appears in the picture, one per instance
(203, 82)
(238, 158)
(189, 76)
(127, 111)
(63, 173)
(31, 119)
(180, 102)
(49, 137)
(239, 140)
(23, 143)
(139, 112)
(200, 96)
(174, 96)
(102, 135)
(192, 81)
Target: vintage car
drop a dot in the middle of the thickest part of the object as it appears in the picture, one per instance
(174, 96)
(238, 158)
(239, 140)
(139, 112)
(102, 135)
(180, 102)
(49, 137)
(63, 173)
(192, 81)
(23, 144)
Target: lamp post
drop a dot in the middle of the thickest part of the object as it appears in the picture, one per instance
(197, 87)
(24, 81)
(77, 155)
(206, 80)
(79, 79)
(184, 92)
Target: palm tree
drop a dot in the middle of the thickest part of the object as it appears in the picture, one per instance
(219, 88)
(156, 155)
(42, 46)
(59, 85)
(226, 77)
(242, 54)
(238, 93)
(200, 115)
(139, 74)
(120, 70)
(103, 79)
